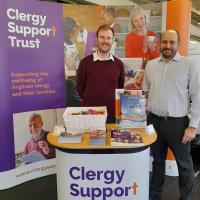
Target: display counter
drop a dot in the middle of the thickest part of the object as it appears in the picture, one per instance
(102, 172)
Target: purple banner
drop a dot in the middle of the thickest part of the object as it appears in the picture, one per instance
(31, 65)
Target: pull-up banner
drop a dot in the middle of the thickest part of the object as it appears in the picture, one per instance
(31, 66)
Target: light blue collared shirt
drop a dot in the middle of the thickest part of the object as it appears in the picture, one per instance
(171, 86)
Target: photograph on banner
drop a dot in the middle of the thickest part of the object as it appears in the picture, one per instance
(137, 30)
(30, 133)
(79, 34)
(134, 73)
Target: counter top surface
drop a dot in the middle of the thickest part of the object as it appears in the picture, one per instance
(148, 139)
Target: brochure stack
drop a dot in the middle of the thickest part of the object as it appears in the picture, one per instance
(129, 137)
(97, 138)
(131, 108)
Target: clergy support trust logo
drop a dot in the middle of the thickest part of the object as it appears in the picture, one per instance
(27, 29)
(110, 187)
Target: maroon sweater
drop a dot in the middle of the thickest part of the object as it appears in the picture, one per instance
(97, 81)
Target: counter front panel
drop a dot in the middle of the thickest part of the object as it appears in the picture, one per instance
(102, 176)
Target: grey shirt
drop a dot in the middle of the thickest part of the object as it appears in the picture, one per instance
(172, 86)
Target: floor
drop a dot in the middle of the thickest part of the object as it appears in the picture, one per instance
(170, 190)
(45, 189)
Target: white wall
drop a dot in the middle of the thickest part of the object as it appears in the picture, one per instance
(194, 49)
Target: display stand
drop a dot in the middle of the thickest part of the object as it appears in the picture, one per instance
(102, 172)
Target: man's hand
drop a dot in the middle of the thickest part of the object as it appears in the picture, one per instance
(189, 135)
(44, 146)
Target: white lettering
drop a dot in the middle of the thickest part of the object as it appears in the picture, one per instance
(24, 43)
(9, 13)
(15, 14)
(11, 27)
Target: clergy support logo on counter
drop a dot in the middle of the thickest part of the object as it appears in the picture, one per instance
(111, 184)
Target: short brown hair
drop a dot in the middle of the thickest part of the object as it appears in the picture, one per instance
(34, 116)
(104, 27)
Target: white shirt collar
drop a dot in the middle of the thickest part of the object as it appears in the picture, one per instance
(96, 57)
(177, 57)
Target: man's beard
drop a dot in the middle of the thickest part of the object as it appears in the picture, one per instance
(104, 51)
(173, 53)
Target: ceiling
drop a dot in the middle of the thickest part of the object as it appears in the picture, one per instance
(196, 4)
